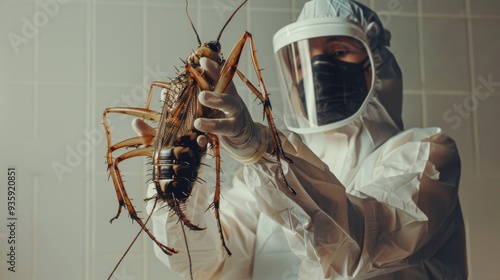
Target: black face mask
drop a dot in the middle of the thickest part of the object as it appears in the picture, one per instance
(340, 88)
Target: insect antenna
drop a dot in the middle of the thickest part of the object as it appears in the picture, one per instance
(229, 19)
(178, 208)
(133, 242)
(192, 25)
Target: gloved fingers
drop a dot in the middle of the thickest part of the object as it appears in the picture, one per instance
(142, 128)
(202, 141)
(163, 95)
(212, 69)
(230, 105)
(222, 127)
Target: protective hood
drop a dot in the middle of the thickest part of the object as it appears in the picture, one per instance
(342, 148)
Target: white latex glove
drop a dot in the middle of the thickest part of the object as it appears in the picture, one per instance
(141, 127)
(245, 140)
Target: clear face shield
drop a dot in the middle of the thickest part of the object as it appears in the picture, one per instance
(327, 78)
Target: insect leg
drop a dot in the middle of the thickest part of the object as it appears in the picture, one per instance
(133, 242)
(277, 147)
(138, 112)
(214, 140)
(131, 142)
(130, 207)
(155, 84)
(176, 207)
(121, 192)
(227, 74)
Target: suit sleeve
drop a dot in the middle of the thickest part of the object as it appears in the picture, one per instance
(399, 214)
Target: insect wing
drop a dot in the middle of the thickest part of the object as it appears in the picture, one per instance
(178, 113)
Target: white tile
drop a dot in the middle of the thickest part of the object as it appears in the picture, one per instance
(388, 8)
(17, 114)
(485, 7)
(264, 25)
(61, 114)
(271, 4)
(486, 43)
(124, 2)
(483, 228)
(412, 111)
(405, 47)
(167, 46)
(120, 126)
(60, 228)
(114, 238)
(300, 3)
(212, 21)
(130, 268)
(193, 4)
(444, 7)
(445, 54)
(17, 47)
(63, 45)
(367, 3)
(442, 112)
(119, 43)
(489, 133)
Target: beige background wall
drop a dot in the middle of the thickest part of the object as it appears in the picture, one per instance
(62, 62)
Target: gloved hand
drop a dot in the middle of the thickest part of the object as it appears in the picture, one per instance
(141, 127)
(243, 139)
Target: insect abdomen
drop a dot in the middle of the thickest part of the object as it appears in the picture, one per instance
(176, 168)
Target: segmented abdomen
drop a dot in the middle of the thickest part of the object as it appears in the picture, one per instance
(175, 168)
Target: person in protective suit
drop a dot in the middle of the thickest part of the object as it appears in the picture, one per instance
(374, 201)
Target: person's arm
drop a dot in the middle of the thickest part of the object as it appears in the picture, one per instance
(400, 218)
(385, 224)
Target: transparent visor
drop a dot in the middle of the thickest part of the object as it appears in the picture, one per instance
(328, 81)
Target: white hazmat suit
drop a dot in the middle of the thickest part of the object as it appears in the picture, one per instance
(373, 201)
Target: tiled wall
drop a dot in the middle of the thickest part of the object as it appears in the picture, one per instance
(63, 61)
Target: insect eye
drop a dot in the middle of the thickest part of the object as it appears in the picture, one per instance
(213, 46)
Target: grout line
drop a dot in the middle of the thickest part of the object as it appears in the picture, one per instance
(44, 83)
(90, 164)
(91, 80)
(121, 3)
(34, 228)
(447, 92)
(295, 11)
(460, 16)
(250, 68)
(199, 27)
(111, 84)
(422, 64)
(35, 138)
(144, 64)
(36, 77)
(474, 118)
(468, 246)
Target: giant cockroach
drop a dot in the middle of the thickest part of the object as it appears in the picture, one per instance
(174, 152)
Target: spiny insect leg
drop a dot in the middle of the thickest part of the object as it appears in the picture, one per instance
(226, 77)
(214, 140)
